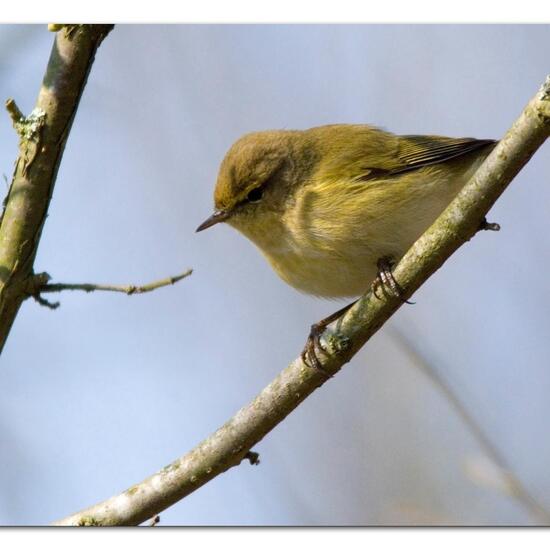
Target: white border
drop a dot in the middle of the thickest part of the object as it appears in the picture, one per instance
(289, 11)
(268, 539)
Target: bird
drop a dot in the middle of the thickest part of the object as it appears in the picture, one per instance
(333, 208)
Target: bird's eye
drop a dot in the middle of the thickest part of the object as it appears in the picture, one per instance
(255, 195)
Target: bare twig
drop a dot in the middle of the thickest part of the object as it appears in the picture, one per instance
(252, 457)
(126, 289)
(42, 138)
(230, 443)
(154, 521)
(513, 483)
(13, 110)
(45, 303)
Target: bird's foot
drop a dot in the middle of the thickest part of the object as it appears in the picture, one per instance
(386, 280)
(315, 344)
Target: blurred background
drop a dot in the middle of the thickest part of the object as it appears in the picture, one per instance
(107, 389)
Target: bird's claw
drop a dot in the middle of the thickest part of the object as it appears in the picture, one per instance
(386, 280)
(314, 343)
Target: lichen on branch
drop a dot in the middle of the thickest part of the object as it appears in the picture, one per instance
(42, 138)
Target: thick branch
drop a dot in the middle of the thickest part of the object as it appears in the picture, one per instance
(43, 135)
(230, 444)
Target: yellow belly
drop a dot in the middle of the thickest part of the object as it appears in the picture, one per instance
(332, 235)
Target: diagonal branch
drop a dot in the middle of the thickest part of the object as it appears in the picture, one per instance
(513, 483)
(42, 138)
(230, 443)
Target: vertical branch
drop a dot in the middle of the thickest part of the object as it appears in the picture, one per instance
(42, 138)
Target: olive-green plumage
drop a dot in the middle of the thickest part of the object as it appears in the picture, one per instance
(324, 204)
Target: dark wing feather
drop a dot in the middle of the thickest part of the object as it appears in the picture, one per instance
(418, 151)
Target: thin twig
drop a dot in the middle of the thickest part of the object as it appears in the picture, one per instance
(517, 489)
(154, 521)
(252, 457)
(229, 444)
(126, 289)
(13, 110)
(45, 303)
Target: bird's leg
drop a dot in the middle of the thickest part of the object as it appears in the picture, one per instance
(386, 280)
(309, 353)
(488, 226)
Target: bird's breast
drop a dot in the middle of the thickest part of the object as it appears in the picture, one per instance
(311, 258)
(332, 234)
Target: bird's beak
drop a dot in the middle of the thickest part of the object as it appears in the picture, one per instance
(216, 217)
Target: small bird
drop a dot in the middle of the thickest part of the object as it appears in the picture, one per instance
(332, 208)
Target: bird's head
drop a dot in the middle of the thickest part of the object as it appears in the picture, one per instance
(256, 178)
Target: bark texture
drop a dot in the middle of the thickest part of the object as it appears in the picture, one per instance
(42, 138)
(231, 443)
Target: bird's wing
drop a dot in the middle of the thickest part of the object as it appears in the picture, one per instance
(417, 151)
